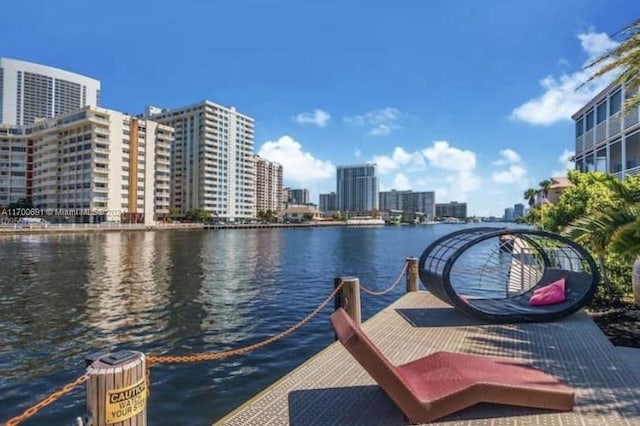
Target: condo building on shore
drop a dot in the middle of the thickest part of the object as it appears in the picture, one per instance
(357, 188)
(213, 166)
(451, 209)
(608, 138)
(268, 185)
(422, 202)
(93, 164)
(31, 91)
(328, 202)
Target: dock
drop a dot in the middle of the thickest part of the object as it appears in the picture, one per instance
(331, 388)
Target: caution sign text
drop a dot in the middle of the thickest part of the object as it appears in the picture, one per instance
(124, 403)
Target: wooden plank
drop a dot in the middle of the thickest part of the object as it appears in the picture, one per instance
(332, 388)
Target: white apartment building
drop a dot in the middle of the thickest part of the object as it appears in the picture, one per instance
(213, 165)
(608, 139)
(95, 163)
(30, 91)
(268, 185)
(13, 165)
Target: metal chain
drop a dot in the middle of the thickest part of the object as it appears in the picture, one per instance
(48, 400)
(395, 283)
(156, 359)
(209, 356)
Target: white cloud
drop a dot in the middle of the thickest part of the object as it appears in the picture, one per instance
(357, 153)
(462, 163)
(401, 182)
(298, 166)
(509, 156)
(399, 158)
(561, 97)
(567, 163)
(380, 130)
(380, 122)
(515, 171)
(513, 174)
(318, 117)
(563, 62)
(596, 44)
(444, 156)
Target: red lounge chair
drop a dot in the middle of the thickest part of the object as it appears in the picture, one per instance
(445, 382)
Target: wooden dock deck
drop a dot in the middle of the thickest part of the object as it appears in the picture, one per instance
(332, 389)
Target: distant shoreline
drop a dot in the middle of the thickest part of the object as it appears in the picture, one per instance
(95, 228)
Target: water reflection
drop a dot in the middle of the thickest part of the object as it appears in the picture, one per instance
(127, 287)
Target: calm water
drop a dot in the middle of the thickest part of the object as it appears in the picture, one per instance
(172, 292)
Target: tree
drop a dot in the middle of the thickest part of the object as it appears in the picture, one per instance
(625, 59)
(611, 222)
(198, 215)
(308, 217)
(530, 194)
(545, 185)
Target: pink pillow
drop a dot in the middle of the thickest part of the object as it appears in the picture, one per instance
(549, 294)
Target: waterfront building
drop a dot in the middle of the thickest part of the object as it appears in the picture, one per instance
(328, 202)
(14, 156)
(509, 214)
(94, 163)
(557, 187)
(297, 196)
(300, 213)
(452, 209)
(268, 185)
(409, 202)
(213, 165)
(518, 211)
(607, 138)
(357, 188)
(30, 91)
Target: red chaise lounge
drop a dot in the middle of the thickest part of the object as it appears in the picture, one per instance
(445, 382)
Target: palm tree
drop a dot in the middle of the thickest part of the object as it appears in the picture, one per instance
(530, 194)
(545, 185)
(616, 227)
(624, 58)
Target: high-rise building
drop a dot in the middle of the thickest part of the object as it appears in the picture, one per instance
(30, 91)
(409, 202)
(608, 138)
(213, 165)
(452, 209)
(298, 196)
(94, 163)
(518, 211)
(509, 214)
(357, 188)
(268, 185)
(328, 202)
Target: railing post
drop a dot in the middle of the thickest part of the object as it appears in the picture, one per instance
(117, 390)
(412, 274)
(349, 297)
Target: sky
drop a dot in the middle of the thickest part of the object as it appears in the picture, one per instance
(469, 98)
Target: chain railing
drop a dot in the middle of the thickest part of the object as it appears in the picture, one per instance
(209, 356)
(204, 356)
(172, 359)
(48, 400)
(388, 289)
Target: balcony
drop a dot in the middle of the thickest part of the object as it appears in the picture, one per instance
(615, 125)
(631, 118)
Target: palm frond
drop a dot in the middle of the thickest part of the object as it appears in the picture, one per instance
(625, 58)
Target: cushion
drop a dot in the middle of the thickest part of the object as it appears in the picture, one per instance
(549, 294)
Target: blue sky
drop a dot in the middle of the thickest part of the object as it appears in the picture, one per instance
(470, 98)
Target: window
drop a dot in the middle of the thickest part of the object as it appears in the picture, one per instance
(615, 102)
(590, 120)
(602, 112)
